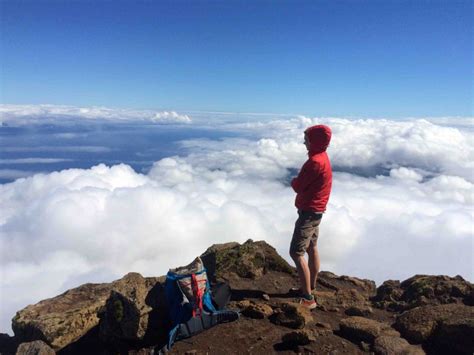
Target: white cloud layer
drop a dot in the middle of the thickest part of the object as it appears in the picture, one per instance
(31, 114)
(74, 226)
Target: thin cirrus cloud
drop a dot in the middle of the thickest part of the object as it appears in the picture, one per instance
(93, 225)
(33, 114)
(34, 161)
(79, 148)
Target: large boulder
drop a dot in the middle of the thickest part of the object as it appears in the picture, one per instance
(249, 260)
(450, 327)
(422, 290)
(127, 315)
(63, 319)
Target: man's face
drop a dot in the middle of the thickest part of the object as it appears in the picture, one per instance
(306, 141)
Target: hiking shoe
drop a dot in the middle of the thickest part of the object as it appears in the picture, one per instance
(310, 304)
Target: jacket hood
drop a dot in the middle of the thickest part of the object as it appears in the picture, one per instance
(319, 137)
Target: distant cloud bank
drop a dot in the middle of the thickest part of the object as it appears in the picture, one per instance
(33, 114)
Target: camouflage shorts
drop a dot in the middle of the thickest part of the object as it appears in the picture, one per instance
(306, 232)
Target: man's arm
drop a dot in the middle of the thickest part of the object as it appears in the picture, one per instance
(306, 176)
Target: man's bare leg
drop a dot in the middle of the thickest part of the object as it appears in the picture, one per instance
(313, 264)
(303, 273)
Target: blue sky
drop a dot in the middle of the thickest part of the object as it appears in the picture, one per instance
(341, 58)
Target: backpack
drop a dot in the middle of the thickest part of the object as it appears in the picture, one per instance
(189, 299)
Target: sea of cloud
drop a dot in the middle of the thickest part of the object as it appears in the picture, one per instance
(402, 204)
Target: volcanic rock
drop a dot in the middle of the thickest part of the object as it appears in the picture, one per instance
(132, 313)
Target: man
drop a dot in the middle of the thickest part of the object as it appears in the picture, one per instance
(312, 187)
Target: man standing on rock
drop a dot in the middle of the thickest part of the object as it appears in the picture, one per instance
(312, 187)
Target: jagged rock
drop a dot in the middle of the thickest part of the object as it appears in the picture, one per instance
(126, 313)
(422, 290)
(292, 315)
(362, 311)
(258, 311)
(249, 260)
(450, 327)
(389, 345)
(300, 337)
(63, 319)
(364, 329)
(37, 347)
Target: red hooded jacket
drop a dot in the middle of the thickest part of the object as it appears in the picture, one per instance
(314, 181)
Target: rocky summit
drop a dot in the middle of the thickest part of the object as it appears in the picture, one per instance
(421, 315)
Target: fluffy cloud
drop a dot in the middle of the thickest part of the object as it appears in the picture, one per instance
(84, 225)
(31, 114)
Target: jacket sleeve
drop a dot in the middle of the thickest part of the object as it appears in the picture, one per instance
(309, 172)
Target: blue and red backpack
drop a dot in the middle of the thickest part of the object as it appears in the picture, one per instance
(190, 303)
